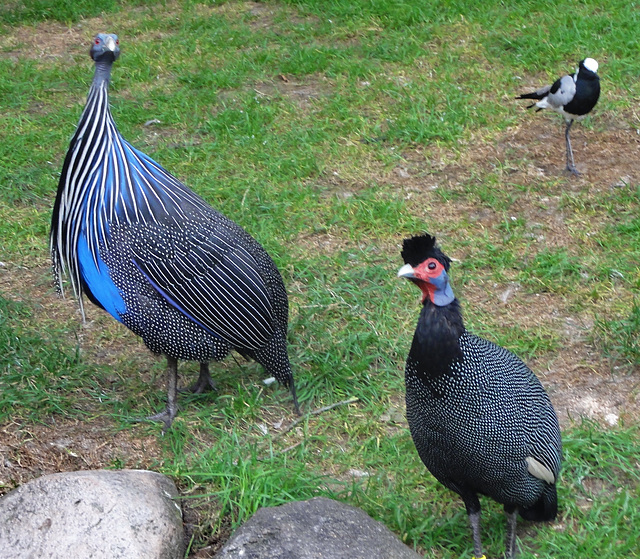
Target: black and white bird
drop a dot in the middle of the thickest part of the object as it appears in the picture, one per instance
(480, 419)
(572, 96)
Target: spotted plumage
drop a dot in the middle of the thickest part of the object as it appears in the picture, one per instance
(480, 419)
(153, 254)
(572, 96)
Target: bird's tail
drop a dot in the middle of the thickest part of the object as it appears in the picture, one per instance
(275, 359)
(532, 95)
(546, 508)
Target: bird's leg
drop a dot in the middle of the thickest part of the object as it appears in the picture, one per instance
(167, 416)
(512, 518)
(472, 505)
(204, 383)
(295, 397)
(474, 519)
(571, 166)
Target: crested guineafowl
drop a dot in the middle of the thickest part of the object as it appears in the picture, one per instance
(153, 254)
(480, 419)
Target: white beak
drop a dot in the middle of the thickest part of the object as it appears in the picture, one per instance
(406, 272)
(110, 44)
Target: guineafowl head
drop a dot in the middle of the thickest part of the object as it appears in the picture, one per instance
(427, 266)
(105, 47)
(416, 250)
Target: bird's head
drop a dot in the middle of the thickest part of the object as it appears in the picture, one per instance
(105, 47)
(426, 266)
(589, 64)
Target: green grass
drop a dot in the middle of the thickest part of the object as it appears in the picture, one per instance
(40, 377)
(331, 130)
(621, 337)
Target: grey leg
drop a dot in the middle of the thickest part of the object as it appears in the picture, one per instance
(512, 518)
(204, 382)
(474, 519)
(294, 396)
(168, 415)
(571, 166)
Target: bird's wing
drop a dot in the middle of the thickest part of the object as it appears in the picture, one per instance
(561, 92)
(544, 440)
(524, 400)
(209, 277)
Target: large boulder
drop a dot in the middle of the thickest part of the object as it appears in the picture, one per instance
(316, 529)
(98, 514)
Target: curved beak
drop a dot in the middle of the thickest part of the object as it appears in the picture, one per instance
(110, 43)
(406, 272)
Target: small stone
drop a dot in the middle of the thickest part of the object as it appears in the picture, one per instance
(358, 473)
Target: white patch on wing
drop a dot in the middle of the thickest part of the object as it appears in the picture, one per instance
(539, 470)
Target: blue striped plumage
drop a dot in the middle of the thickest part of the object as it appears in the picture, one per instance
(153, 254)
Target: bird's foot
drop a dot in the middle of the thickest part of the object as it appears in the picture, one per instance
(203, 384)
(200, 386)
(572, 169)
(167, 416)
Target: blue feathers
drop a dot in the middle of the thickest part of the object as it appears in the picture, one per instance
(98, 281)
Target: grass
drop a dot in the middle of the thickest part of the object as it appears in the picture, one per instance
(331, 130)
(40, 377)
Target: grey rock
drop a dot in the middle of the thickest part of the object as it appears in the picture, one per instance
(97, 514)
(316, 529)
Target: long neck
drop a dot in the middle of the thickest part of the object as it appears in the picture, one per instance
(102, 72)
(436, 342)
(85, 149)
(96, 110)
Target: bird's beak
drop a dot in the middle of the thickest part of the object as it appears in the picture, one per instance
(110, 44)
(406, 272)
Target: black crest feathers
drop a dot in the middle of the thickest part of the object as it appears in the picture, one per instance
(416, 250)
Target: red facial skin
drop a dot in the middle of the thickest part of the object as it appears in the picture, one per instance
(424, 273)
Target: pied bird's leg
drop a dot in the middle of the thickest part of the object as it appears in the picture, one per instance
(168, 415)
(512, 518)
(204, 383)
(571, 166)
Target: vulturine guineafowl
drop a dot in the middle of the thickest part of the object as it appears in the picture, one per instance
(153, 254)
(480, 419)
(571, 96)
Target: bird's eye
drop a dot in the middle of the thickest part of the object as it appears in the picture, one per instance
(431, 265)
(96, 41)
(117, 41)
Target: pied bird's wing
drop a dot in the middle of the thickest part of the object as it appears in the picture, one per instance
(562, 92)
(201, 262)
(197, 259)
